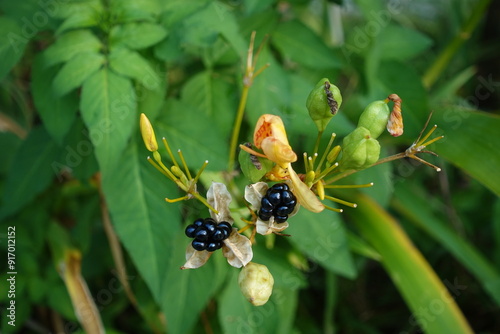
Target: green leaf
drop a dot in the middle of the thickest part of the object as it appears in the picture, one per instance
(402, 43)
(71, 44)
(322, 237)
(299, 44)
(137, 35)
(415, 206)
(410, 272)
(190, 288)
(76, 71)
(131, 64)
(57, 113)
(135, 10)
(79, 14)
(250, 170)
(470, 142)
(202, 28)
(12, 44)
(144, 222)
(211, 95)
(108, 107)
(31, 171)
(270, 92)
(199, 141)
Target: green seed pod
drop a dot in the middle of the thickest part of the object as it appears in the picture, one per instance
(375, 117)
(323, 103)
(256, 283)
(359, 150)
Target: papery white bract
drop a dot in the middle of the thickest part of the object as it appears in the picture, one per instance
(236, 248)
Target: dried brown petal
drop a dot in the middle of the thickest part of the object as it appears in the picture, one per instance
(237, 249)
(219, 198)
(194, 258)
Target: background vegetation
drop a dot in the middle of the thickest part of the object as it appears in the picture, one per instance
(75, 75)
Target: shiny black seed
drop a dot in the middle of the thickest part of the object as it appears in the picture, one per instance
(264, 216)
(199, 245)
(219, 244)
(212, 246)
(201, 235)
(280, 186)
(226, 226)
(219, 234)
(283, 210)
(280, 219)
(287, 198)
(210, 226)
(198, 222)
(265, 204)
(274, 197)
(190, 230)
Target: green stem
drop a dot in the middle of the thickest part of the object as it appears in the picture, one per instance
(318, 140)
(236, 128)
(439, 65)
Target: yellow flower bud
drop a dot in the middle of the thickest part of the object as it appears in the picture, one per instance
(256, 283)
(148, 134)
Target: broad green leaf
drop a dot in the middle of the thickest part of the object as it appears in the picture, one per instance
(12, 44)
(191, 289)
(78, 153)
(135, 10)
(414, 205)
(57, 113)
(31, 172)
(79, 14)
(76, 71)
(199, 141)
(131, 64)
(108, 107)
(71, 44)
(470, 142)
(144, 222)
(270, 91)
(299, 44)
(322, 237)
(208, 94)
(402, 43)
(137, 35)
(203, 27)
(410, 272)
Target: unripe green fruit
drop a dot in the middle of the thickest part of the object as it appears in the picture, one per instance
(256, 283)
(323, 102)
(359, 150)
(375, 117)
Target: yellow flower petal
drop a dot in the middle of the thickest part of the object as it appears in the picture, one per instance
(304, 195)
(277, 151)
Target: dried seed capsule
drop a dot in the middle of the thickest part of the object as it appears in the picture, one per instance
(375, 117)
(323, 103)
(359, 150)
(256, 283)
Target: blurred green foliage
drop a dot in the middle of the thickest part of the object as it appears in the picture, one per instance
(75, 75)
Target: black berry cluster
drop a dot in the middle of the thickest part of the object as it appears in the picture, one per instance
(279, 202)
(208, 234)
